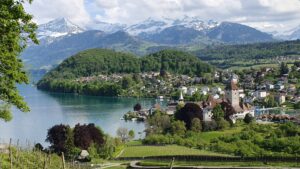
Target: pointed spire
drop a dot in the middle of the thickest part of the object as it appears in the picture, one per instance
(181, 96)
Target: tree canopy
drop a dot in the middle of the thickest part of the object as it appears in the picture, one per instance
(16, 31)
(188, 113)
(95, 62)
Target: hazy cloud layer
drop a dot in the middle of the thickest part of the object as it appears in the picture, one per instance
(264, 14)
(46, 10)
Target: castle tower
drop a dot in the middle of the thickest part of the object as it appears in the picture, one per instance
(232, 92)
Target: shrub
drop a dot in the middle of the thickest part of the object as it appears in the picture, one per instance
(222, 124)
(249, 118)
(196, 125)
(210, 126)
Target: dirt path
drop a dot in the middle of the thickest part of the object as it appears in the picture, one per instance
(120, 153)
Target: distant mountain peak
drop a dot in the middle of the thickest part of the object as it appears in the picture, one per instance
(61, 25)
(57, 27)
(153, 25)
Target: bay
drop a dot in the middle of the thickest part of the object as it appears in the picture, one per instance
(48, 109)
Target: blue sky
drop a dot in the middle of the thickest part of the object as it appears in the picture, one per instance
(266, 15)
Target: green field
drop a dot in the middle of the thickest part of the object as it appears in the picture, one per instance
(168, 150)
(136, 149)
(208, 136)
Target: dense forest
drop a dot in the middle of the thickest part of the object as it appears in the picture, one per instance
(227, 56)
(94, 62)
(250, 51)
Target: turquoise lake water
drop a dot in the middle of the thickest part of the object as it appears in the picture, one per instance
(48, 109)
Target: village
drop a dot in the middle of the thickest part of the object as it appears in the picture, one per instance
(261, 93)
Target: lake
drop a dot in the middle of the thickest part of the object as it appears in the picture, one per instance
(48, 109)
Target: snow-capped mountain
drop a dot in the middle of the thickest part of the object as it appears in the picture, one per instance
(295, 33)
(151, 25)
(107, 27)
(195, 23)
(57, 28)
(292, 34)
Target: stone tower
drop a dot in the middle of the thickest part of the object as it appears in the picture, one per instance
(232, 92)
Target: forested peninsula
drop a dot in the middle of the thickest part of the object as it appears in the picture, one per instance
(104, 72)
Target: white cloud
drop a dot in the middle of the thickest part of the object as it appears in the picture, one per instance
(45, 10)
(264, 14)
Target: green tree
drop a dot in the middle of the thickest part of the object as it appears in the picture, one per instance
(123, 134)
(127, 82)
(218, 112)
(178, 128)
(196, 125)
(270, 101)
(222, 124)
(16, 30)
(71, 150)
(158, 123)
(188, 113)
(197, 96)
(297, 105)
(131, 134)
(284, 69)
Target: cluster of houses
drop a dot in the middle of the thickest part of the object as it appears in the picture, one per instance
(205, 90)
(282, 89)
(232, 104)
(152, 84)
(236, 94)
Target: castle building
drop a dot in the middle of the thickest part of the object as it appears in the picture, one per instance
(232, 96)
(232, 105)
(232, 93)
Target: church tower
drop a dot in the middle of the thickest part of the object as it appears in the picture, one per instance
(181, 100)
(232, 92)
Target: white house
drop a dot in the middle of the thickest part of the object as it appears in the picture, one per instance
(184, 89)
(279, 86)
(191, 90)
(242, 95)
(216, 96)
(205, 88)
(216, 90)
(203, 92)
(207, 113)
(270, 86)
(260, 94)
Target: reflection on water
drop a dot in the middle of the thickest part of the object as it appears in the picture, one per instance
(48, 109)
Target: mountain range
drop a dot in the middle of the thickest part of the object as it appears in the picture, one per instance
(60, 38)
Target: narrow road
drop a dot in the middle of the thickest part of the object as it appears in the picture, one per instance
(134, 164)
(120, 153)
(107, 165)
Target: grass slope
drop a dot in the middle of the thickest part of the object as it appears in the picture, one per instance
(168, 150)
